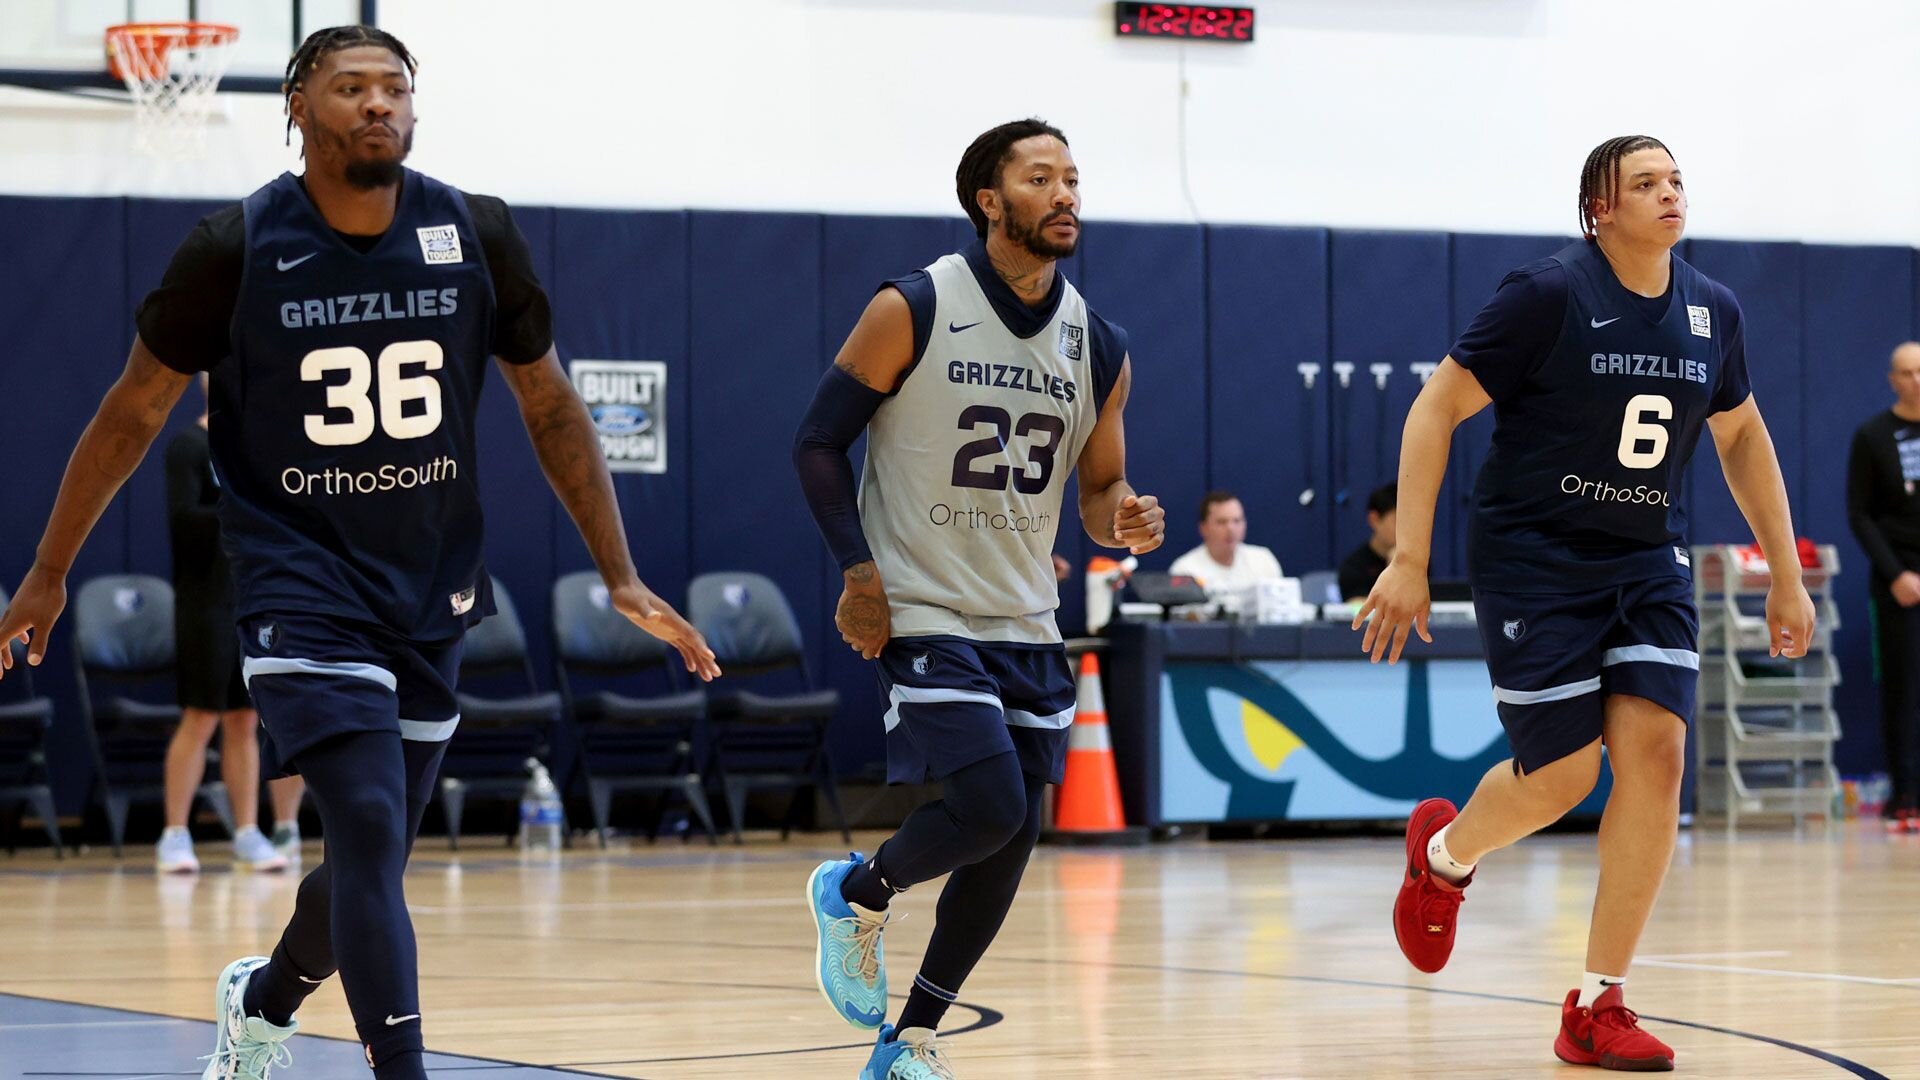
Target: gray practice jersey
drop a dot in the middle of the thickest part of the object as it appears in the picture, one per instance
(966, 462)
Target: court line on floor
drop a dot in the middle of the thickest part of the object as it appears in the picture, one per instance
(1865, 1072)
(1778, 973)
(487, 1064)
(1712, 955)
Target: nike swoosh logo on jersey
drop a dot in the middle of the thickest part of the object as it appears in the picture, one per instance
(393, 1021)
(288, 264)
(952, 329)
(1598, 323)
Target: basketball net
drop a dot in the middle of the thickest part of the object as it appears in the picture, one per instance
(171, 69)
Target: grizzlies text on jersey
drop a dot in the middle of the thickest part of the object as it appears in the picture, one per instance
(1599, 396)
(967, 461)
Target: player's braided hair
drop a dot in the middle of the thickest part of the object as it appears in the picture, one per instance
(1601, 178)
(980, 166)
(323, 43)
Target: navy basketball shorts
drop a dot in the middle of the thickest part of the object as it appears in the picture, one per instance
(952, 702)
(313, 677)
(1554, 658)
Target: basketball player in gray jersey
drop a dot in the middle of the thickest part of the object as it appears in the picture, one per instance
(980, 381)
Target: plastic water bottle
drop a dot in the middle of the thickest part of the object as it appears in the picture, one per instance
(541, 814)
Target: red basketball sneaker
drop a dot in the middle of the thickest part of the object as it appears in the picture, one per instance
(1428, 906)
(1608, 1035)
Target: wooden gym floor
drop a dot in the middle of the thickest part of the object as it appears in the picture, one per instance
(1774, 956)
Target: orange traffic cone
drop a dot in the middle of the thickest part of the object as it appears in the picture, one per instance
(1088, 810)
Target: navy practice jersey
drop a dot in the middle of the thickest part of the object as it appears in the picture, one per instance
(1599, 396)
(341, 419)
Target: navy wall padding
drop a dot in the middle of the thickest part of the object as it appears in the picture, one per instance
(1267, 433)
(747, 309)
(1766, 279)
(1390, 305)
(1151, 280)
(1859, 303)
(63, 302)
(1479, 261)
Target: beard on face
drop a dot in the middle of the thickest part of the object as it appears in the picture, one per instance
(1033, 237)
(365, 175)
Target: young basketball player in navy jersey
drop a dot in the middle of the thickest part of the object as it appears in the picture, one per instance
(980, 382)
(1602, 363)
(346, 317)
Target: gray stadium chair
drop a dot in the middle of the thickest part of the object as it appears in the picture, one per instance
(25, 720)
(123, 641)
(625, 743)
(497, 733)
(763, 740)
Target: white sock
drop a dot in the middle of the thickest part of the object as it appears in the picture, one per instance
(1442, 860)
(1593, 984)
(244, 830)
(172, 831)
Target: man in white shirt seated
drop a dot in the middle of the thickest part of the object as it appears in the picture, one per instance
(1225, 564)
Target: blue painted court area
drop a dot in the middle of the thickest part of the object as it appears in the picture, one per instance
(60, 1039)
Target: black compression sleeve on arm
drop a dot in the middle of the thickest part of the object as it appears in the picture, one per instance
(839, 413)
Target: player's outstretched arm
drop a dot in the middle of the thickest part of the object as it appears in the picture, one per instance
(870, 365)
(1113, 514)
(569, 452)
(1753, 475)
(1399, 602)
(111, 447)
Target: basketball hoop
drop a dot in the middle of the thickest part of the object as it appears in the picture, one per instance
(171, 68)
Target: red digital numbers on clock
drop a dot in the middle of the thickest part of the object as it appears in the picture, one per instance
(1200, 22)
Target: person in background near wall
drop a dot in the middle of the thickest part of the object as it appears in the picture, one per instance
(1362, 566)
(1225, 564)
(211, 693)
(1882, 508)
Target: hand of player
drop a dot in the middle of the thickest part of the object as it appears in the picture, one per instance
(657, 617)
(30, 617)
(1140, 524)
(864, 620)
(1399, 603)
(1906, 589)
(1789, 620)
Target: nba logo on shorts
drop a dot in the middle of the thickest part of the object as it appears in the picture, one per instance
(921, 663)
(439, 244)
(1070, 336)
(266, 636)
(1513, 628)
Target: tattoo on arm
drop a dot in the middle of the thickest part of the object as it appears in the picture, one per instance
(858, 375)
(861, 572)
(569, 451)
(864, 616)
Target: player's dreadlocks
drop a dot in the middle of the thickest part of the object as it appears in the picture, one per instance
(980, 166)
(1601, 178)
(323, 43)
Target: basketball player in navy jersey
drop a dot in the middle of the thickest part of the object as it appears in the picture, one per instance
(346, 317)
(1602, 364)
(980, 382)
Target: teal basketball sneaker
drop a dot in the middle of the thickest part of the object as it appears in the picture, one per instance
(908, 1055)
(848, 963)
(245, 1047)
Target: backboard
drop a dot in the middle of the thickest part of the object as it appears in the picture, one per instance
(60, 44)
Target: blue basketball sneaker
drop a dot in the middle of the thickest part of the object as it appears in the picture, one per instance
(848, 963)
(909, 1055)
(245, 1047)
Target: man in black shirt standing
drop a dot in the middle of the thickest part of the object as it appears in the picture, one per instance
(1882, 471)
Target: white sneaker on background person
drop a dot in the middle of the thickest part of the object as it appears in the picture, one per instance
(254, 851)
(174, 853)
